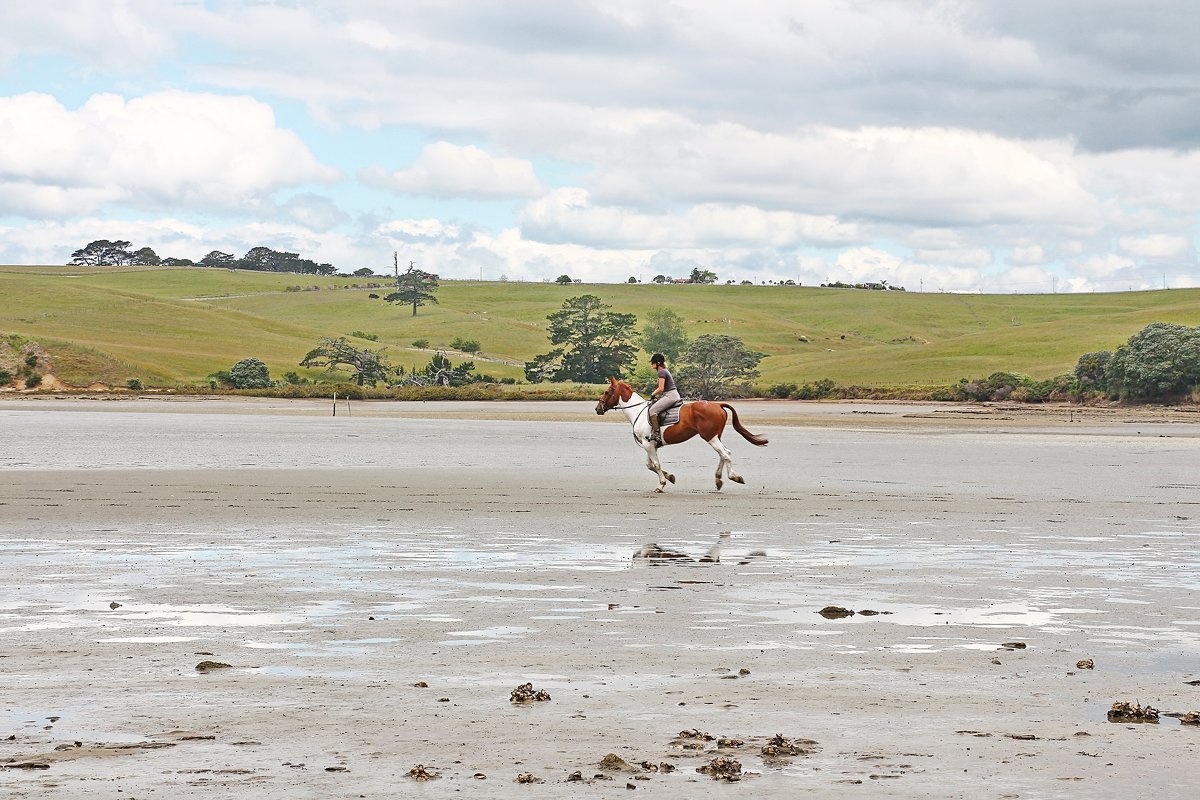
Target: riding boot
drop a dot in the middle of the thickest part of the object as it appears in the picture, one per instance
(655, 429)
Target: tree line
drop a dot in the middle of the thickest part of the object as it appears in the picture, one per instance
(106, 253)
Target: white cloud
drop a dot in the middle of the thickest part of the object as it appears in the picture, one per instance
(1028, 255)
(566, 215)
(446, 170)
(1157, 245)
(155, 151)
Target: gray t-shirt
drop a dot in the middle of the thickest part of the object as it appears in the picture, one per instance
(665, 374)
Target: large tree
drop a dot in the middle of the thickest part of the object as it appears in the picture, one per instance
(594, 343)
(717, 366)
(1160, 361)
(103, 253)
(368, 366)
(413, 286)
(664, 333)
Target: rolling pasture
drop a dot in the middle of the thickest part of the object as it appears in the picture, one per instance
(175, 326)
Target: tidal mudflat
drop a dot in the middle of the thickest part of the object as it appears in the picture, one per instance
(365, 594)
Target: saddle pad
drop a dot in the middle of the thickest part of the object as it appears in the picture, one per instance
(670, 416)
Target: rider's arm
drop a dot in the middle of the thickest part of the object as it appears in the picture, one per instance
(658, 390)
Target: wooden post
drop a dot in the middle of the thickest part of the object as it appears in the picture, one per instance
(335, 404)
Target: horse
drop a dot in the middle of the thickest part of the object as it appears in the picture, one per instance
(697, 418)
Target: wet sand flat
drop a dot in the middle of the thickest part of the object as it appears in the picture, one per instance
(335, 563)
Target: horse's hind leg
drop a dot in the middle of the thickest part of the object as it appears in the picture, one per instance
(726, 462)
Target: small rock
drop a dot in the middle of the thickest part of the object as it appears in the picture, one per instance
(420, 773)
(1132, 712)
(743, 672)
(528, 777)
(208, 666)
(575, 776)
(479, 776)
(1014, 645)
(722, 769)
(525, 693)
(779, 746)
(869, 612)
(835, 612)
(614, 763)
(114, 605)
(1086, 663)
(1190, 718)
(421, 685)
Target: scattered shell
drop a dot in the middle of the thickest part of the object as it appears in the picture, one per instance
(1190, 718)
(835, 612)
(1132, 712)
(525, 693)
(420, 773)
(575, 776)
(743, 671)
(730, 743)
(1014, 645)
(479, 776)
(1086, 663)
(722, 769)
(206, 666)
(869, 612)
(421, 685)
(528, 777)
(114, 605)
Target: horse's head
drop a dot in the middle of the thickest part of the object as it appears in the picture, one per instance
(615, 393)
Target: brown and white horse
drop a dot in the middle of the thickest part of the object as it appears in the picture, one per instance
(697, 418)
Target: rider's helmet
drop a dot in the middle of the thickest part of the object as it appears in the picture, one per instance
(658, 358)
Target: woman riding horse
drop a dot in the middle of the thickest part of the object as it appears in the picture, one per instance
(665, 395)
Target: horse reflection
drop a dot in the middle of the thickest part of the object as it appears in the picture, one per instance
(653, 553)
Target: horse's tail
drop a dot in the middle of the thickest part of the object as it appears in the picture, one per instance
(761, 441)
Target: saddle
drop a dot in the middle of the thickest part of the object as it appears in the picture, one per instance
(670, 416)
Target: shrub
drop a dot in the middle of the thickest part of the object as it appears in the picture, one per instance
(135, 384)
(465, 345)
(249, 373)
(373, 296)
(1160, 361)
(370, 337)
(33, 380)
(420, 344)
(6, 377)
(782, 390)
(817, 390)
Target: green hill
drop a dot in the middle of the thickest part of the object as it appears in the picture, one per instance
(177, 325)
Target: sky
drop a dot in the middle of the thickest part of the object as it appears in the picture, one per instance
(997, 146)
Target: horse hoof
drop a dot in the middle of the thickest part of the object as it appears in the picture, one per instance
(719, 485)
(671, 478)
(659, 490)
(737, 479)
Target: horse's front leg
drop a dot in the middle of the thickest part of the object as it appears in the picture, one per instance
(655, 465)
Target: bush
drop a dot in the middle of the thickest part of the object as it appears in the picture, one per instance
(420, 344)
(782, 390)
(33, 380)
(1159, 362)
(817, 390)
(135, 384)
(373, 296)
(249, 373)
(465, 345)
(370, 337)
(6, 377)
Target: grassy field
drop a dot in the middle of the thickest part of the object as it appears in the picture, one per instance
(175, 326)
